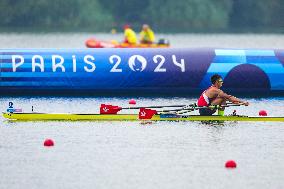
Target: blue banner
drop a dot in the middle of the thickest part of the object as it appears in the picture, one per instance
(164, 70)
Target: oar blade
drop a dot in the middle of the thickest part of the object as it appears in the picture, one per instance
(145, 113)
(109, 109)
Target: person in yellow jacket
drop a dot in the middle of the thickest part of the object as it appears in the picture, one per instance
(129, 35)
(147, 35)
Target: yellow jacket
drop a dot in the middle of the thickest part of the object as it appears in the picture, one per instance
(130, 36)
(147, 36)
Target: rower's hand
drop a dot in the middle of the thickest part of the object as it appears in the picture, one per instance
(246, 103)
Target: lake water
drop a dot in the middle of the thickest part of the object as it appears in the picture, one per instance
(77, 40)
(135, 155)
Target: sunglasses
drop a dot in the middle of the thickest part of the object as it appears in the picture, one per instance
(220, 81)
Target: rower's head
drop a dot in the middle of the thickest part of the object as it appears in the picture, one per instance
(126, 26)
(145, 27)
(217, 80)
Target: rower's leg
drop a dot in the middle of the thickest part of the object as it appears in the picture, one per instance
(219, 101)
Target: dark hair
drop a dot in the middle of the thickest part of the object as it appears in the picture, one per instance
(215, 77)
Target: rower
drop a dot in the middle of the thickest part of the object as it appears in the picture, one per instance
(215, 96)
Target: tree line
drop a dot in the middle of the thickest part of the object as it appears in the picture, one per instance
(163, 15)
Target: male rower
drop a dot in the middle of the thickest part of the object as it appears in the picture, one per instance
(215, 96)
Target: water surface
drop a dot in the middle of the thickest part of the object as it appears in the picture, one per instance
(135, 155)
(77, 40)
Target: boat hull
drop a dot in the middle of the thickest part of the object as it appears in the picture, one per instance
(94, 43)
(128, 117)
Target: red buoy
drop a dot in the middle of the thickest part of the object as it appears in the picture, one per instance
(262, 113)
(48, 142)
(132, 101)
(230, 164)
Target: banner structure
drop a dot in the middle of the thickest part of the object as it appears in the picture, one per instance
(169, 71)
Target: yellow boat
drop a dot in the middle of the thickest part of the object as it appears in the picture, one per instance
(128, 117)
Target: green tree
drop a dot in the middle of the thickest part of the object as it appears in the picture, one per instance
(189, 14)
(259, 14)
(56, 13)
(126, 11)
(92, 13)
(163, 15)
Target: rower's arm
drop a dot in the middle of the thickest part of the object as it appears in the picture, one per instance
(231, 98)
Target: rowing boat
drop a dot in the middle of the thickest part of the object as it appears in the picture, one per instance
(129, 117)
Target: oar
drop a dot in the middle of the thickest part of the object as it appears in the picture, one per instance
(110, 109)
(166, 106)
(189, 109)
(149, 113)
(227, 105)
